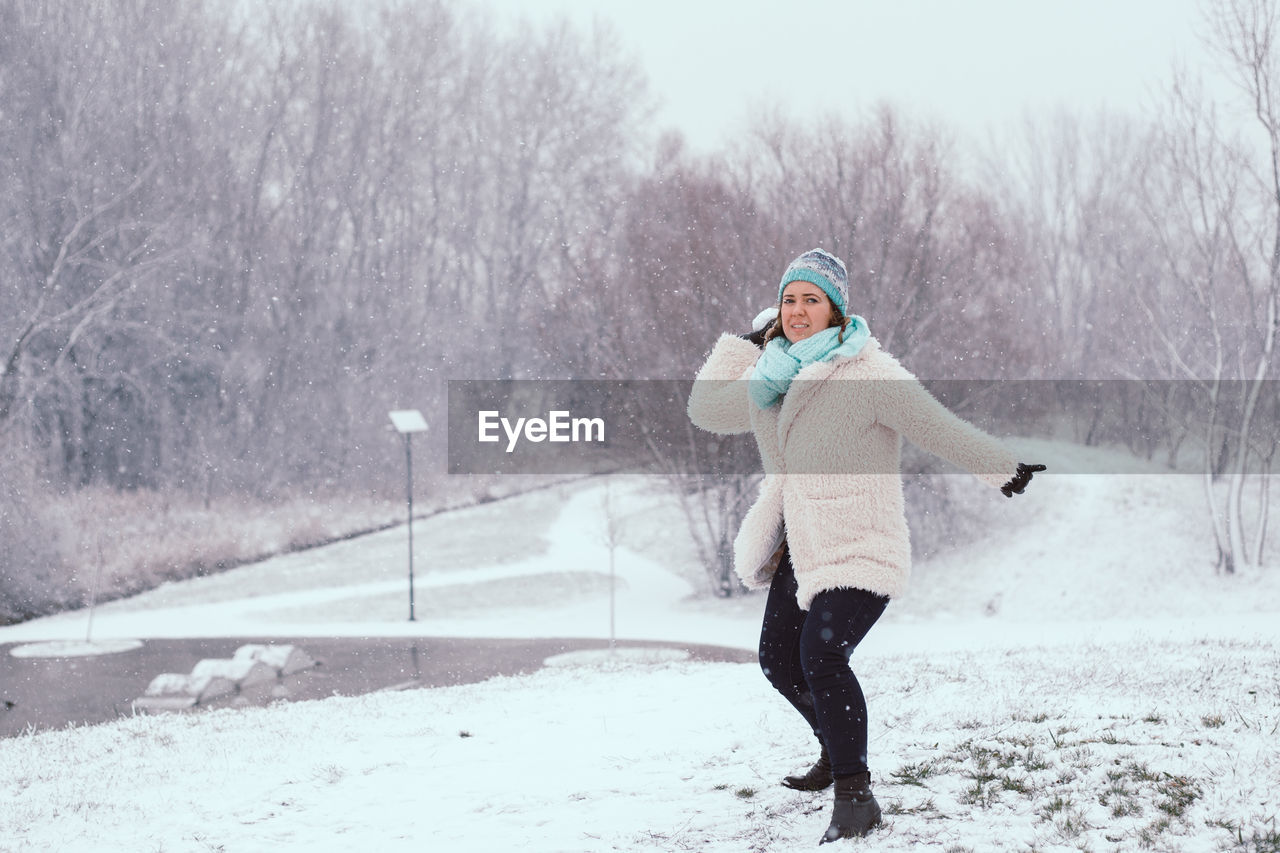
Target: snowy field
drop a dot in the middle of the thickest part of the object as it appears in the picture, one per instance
(1076, 680)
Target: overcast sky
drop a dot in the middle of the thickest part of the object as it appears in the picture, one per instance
(973, 63)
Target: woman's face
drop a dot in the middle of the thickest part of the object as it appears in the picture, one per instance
(806, 310)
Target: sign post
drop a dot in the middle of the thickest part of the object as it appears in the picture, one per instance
(407, 422)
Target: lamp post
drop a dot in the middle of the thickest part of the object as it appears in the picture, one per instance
(407, 422)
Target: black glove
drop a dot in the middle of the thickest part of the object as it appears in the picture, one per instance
(757, 337)
(1021, 479)
(761, 324)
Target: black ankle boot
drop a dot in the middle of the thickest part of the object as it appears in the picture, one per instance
(856, 811)
(816, 778)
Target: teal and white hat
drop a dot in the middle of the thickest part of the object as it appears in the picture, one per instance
(820, 267)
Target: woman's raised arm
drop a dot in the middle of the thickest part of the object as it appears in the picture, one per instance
(718, 402)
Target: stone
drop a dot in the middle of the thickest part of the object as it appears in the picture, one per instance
(244, 673)
(207, 686)
(254, 670)
(286, 660)
(169, 684)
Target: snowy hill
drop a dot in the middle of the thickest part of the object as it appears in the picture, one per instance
(1086, 547)
(1130, 550)
(1077, 679)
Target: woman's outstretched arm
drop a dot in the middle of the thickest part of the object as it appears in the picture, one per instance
(906, 406)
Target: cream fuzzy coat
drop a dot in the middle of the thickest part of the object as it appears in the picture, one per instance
(832, 455)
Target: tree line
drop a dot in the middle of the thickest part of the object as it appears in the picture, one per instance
(232, 238)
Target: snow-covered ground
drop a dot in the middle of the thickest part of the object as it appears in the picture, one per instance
(1078, 679)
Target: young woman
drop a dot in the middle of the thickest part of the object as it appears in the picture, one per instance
(828, 535)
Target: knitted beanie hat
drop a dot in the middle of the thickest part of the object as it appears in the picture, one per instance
(820, 267)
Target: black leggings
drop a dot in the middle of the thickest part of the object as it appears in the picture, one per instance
(805, 656)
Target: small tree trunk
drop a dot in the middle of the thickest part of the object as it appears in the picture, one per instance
(1220, 541)
(1235, 520)
(724, 565)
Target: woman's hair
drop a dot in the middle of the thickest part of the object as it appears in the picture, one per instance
(837, 319)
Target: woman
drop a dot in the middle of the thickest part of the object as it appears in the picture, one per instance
(828, 534)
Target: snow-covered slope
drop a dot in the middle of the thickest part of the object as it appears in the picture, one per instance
(1076, 679)
(1126, 552)
(1134, 746)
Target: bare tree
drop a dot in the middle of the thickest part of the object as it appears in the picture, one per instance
(1071, 189)
(101, 220)
(1213, 201)
(929, 259)
(676, 270)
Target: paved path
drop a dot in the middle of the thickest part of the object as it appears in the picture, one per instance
(50, 693)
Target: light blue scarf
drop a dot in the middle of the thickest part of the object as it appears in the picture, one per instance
(782, 360)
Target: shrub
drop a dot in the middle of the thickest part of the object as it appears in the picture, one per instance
(34, 574)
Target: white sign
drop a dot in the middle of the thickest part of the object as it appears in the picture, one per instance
(408, 420)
